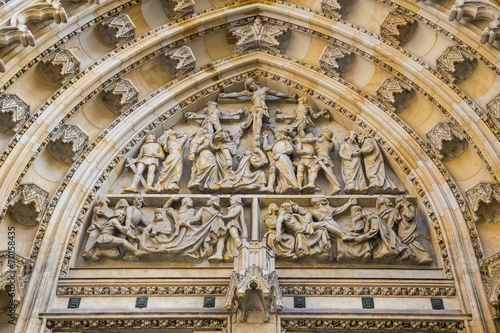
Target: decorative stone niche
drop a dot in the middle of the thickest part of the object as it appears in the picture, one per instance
(398, 28)
(179, 61)
(394, 94)
(493, 109)
(447, 140)
(336, 60)
(117, 30)
(14, 111)
(120, 95)
(60, 66)
(484, 200)
(456, 64)
(338, 8)
(68, 143)
(175, 9)
(29, 204)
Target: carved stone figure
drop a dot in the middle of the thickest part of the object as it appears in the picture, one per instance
(205, 171)
(160, 230)
(120, 95)
(60, 66)
(134, 217)
(281, 169)
(352, 169)
(286, 245)
(447, 140)
(323, 213)
(68, 143)
(244, 178)
(100, 216)
(175, 9)
(183, 217)
(172, 167)
(179, 61)
(484, 201)
(338, 8)
(14, 111)
(28, 204)
(303, 116)
(336, 60)
(398, 28)
(456, 64)
(307, 162)
(224, 148)
(149, 156)
(493, 109)
(212, 117)
(324, 147)
(117, 30)
(394, 94)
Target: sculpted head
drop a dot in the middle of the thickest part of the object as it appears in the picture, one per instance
(287, 206)
(212, 105)
(102, 200)
(302, 100)
(150, 138)
(401, 199)
(187, 202)
(122, 203)
(138, 200)
(356, 211)
(236, 200)
(273, 208)
(383, 202)
(320, 201)
(351, 136)
(158, 214)
(327, 135)
(214, 201)
(251, 84)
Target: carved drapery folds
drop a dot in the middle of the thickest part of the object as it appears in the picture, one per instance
(493, 109)
(253, 288)
(175, 9)
(338, 8)
(179, 61)
(336, 60)
(68, 143)
(447, 140)
(484, 200)
(259, 34)
(394, 94)
(28, 204)
(14, 111)
(117, 30)
(456, 64)
(120, 95)
(398, 28)
(60, 66)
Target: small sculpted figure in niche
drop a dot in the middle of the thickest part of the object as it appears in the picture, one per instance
(323, 213)
(236, 230)
(148, 159)
(352, 168)
(205, 170)
(285, 246)
(375, 167)
(303, 117)
(183, 217)
(281, 170)
(172, 167)
(212, 116)
(308, 162)
(259, 112)
(160, 230)
(324, 147)
(100, 216)
(358, 250)
(134, 217)
(244, 178)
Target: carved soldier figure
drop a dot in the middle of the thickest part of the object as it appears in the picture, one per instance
(308, 162)
(172, 167)
(352, 169)
(100, 216)
(324, 147)
(149, 156)
(303, 115)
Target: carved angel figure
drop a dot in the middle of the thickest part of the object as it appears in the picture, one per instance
(352, 169)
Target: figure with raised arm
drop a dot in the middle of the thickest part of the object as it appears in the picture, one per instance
(172, 167)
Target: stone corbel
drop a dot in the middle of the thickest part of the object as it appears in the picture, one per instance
(117, 30)
(179, 61)
(394, 94)
(338, 8)
(14, 111)
(120, 96)
(29, 204)
(447, 140)
(336, 60)
(484, 200)
(456, 64)
(398, 28)
(175, 9)
(68, 143)
(60, 66)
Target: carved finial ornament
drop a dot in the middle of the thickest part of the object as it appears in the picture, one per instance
(447, 140)
(29, 204)
(493, 108)
(14, 111)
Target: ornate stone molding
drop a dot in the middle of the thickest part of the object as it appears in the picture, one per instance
(14, 111)
(493, 109)
(29, 203)
(175, 9)
(138, 290)
(68, 143)
(336, 60)
(456, 64)
(258, 34)
(179, 61)
(398, 28)
(368, 291)
(494, 289)
(338, 8)
(60, 66)
(117, 30)
(394, 94)
(447, 140)
(484, 200)
(120, 95)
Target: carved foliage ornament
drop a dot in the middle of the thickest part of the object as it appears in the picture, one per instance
(68, 143)
(398, 28)
(336, 60)
(456, 64)
(29, 203)
(60, 66)
(484, 200)
(14, 111)
(120, 95)
(447, 140)
(179, 61)
(258, 34)
(175, 9)
(117, 30)
(338, 8)
(394, 94)
(493, 109)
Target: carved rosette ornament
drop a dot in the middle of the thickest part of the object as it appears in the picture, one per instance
(398, 28)
(258, 34)
(120, 96)
(394, 94)
(179, 61)
(493, 109)
(447, 140)
(60, 66)
(29, 204)
(456, 64)
(14, 111)
(338, 8)
(175, 9)
(117, 30)
(484, 200)
(68, 143)
(336, 60)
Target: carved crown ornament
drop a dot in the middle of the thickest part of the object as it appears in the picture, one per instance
(394, 94)
(456, 64)
(28, 204)
(175, 9)
(338, 8)
(179, 61)
(336, 60)
(120, 95)
(68, 143)
(447, 140)
(484, 200)
(60, 66)
(398, 28)
(14, 111)
(117, 30)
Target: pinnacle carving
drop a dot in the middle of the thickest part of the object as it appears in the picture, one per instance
(493, 109)
(68, 143)
(259, 34)
(12, 278)
(175, 9)
(494, 288)
(117, 30)
(394, 94)
(179, 61)
(398, 28)
(456, 64)
(120, 96)
(338, 8)
(336, 60)
(60, 66)
(14, 111)
(29, 204)
(484, 200)
(447, 140)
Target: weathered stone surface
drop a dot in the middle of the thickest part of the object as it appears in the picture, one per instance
(120, 95)
(14, 111)
(456, 64)
(493, 109)
(484, 200)
(117, 30)
(12, 280)
(175, 9)
(29, 204)
(394, 94)
(339, 8)
(179, 61)
(447, 140)
(60, 66)
(336, 60)
(398, 28)
(68, 143)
